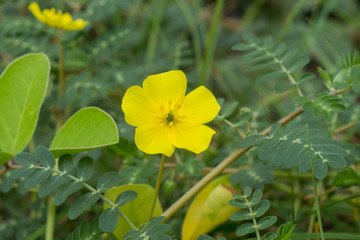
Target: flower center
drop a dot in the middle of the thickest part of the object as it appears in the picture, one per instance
(170, 118)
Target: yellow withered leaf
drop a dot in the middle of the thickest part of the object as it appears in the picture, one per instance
(209, 209)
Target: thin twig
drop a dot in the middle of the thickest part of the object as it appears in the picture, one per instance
(345, 127)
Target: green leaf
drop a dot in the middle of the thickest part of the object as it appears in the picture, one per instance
(82, 203)
(86, 230)
(247, 191)
(87, 129)
(262, 65)
(23, 86)
(356, 87)
(252, 140)
(257, 176)
(320, 168)
(285, 231)
(283, 87)
(266, 222)
(109, 219)
(245, 229)
(270, 75)
(326, 78)
(107, 181)
(269, 236)
(262, 208)
(22, 172)
(66, 163)
(240, 216)
(242, 47)
(85, 168)
(125, 197)
(228, 109)
(66, 191)
(152, 230)
(25, 159)
(275, 129)
(37, 178)
(305, 77)
(335, 160)
(298, 63)
(204, 236)
(288, 54)
(4, 157)
(256, 197)
(250, 38)
(45, 157)
(6, 183)
(346, 178)
(52, 185)
(238, 203)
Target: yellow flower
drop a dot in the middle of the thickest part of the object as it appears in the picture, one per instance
(165, 118)
(57, 19)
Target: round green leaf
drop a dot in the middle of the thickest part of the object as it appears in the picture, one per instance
(87, 129)
(23, 86)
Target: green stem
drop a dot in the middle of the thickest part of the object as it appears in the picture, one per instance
(91, 189)
(315, 188)
(211, 42)
(50, 219)
(157, 187)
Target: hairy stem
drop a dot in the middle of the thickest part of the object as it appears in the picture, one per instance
(157, 187)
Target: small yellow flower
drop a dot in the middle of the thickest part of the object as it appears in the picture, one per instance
(165, 118)
(57, 19)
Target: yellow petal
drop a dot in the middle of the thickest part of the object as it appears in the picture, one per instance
(66, 20)
(154, 138)
(138, 107)
(192, 138)
(79, 24)
(200, 106)
(167, 89)
(35, 10)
